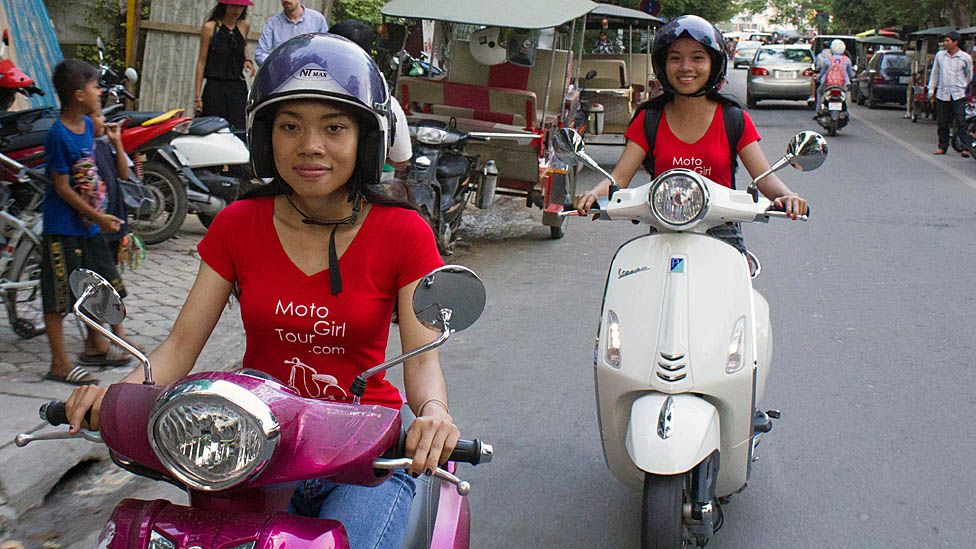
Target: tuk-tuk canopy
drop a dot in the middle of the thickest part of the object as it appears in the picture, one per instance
(882, 40)
(874, 32)
(934, 32)
(621, 15)
(967, 30)
(518, 14)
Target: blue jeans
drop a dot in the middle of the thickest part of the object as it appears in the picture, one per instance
(375, 517)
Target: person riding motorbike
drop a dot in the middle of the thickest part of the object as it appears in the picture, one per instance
(319, 258)
(845, 68)
(689, 117)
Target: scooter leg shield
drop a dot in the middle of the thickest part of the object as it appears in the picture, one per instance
(668, 439)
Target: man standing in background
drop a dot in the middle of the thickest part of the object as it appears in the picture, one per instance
(951, 73)
(293, 20)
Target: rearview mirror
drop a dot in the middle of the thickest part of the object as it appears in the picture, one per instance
(97, 296)
(569, 147)
(807, 151)
(590, 75)
(449, 299)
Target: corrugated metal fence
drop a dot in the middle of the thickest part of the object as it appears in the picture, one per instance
(33, 46)
(173, 42)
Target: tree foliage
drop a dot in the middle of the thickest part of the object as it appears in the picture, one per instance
(715, 11)
(363, 10)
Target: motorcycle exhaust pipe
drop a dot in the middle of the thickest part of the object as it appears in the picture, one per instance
(204, 203)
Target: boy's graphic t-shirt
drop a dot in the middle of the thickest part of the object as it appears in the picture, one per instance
(709, 156)
(296, 330)
(71, 154)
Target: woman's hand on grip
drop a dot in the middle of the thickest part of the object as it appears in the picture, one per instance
(430, 440)
(80, 402)
(793, 204)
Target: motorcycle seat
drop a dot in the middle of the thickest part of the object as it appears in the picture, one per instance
(207, 125)
(135, 118)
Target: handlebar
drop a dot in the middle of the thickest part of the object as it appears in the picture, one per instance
(773, 212)
(54, 412)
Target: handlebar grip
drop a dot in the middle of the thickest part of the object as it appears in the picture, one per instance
(808, 214)
(128, 94)
(54, 412)
(471, 451)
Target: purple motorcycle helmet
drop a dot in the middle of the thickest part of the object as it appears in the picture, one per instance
(701, 31)
(329, 67)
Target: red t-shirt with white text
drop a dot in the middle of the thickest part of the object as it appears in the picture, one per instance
(296, 330)
(709, 156)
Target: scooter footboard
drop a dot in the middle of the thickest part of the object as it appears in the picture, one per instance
(668, 439)
(134, 523)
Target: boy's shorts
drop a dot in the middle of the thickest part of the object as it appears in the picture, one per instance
(63, 254)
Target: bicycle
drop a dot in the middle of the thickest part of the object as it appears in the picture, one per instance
(20, 251)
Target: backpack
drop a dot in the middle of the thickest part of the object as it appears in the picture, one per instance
(836, 75)
(735, 124)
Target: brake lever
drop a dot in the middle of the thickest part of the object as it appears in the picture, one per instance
(463, 486)
(24, 439)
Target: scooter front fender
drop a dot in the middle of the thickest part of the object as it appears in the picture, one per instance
(668, 439)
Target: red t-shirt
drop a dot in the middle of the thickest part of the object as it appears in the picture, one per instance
(708, 156)
(296, 330)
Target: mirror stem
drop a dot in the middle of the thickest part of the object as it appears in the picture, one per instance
(779, 165)
(89, 291)
(592, 163)
(359, 384)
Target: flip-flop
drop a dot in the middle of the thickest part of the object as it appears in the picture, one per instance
(112, 359)
(77, 376)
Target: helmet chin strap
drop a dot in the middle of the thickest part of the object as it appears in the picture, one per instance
(335, 278)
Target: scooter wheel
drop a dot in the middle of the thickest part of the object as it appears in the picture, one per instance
(170, 194)
(662, 521)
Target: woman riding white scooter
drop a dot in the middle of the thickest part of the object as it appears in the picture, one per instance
(690, 53)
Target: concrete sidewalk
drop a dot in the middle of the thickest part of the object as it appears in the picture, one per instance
(156, 293)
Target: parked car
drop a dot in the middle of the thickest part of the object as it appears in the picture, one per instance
(744, 52)
(780, 72)
(885, 79)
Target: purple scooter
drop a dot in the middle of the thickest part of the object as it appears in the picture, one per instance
(239, 442)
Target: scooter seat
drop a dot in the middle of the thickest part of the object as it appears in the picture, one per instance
(136, 118)
(207, 125)
(423, 511)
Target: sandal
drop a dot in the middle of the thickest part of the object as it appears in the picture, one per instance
(114, 358)
(77, 376)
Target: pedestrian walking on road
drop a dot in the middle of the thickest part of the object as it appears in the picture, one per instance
(951, 74)
(294, 19)
(691, 124)
(306, 323)
(74, 218)
(222, 60)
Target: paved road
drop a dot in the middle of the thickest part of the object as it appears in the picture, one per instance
(872, 305)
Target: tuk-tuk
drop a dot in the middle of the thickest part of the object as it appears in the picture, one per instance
(507, 76)
(615, 82)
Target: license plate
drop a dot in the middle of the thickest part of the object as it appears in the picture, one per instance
(785, 74)
(904, 79)
(835, 106)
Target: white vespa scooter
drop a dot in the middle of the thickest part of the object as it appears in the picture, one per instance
(684, 345)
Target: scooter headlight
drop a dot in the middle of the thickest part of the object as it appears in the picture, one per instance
(736, 347)
(212, 435)
(679, 198)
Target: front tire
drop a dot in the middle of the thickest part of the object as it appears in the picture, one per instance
(24, 306)
(662, 522)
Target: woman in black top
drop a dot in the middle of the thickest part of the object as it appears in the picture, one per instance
(222, 61)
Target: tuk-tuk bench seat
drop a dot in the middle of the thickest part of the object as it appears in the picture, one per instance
(488, 103)
(611, 74)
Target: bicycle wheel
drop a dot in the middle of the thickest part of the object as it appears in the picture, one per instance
(23, 303)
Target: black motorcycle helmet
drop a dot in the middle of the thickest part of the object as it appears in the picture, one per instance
(701, 31)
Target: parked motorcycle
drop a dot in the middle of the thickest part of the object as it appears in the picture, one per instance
(683, 345)
(12, 79)
(964, 136)
(212, 161)
(832, 112)
(239, 442)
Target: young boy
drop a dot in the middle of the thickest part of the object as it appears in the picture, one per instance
(74, 216)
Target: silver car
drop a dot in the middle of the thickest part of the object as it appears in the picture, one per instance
(744, 52)
(780, 72)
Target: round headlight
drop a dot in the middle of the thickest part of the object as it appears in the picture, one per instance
(678, 199)
(212, 435)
